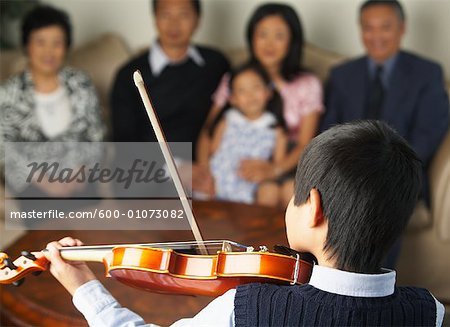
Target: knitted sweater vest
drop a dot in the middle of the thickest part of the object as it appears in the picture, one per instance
(305, 305)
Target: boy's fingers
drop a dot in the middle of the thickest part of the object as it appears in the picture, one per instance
(54, 244)
(53, 249)
(78, 242)
(67, 241)
(55, 257)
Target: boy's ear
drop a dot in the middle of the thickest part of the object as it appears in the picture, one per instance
(315, 205)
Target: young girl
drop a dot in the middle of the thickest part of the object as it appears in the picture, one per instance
(252, 128)
(275, 40)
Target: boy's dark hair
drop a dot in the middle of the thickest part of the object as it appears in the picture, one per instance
(397, 6)
(195, 4)
(274, 105)
(291, 65)
(44, 16)
(369, 180)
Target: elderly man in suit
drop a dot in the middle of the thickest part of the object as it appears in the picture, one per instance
(392, 85)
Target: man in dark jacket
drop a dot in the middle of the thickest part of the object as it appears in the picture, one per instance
(392, 85)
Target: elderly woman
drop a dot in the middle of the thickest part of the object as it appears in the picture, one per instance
(48, 101)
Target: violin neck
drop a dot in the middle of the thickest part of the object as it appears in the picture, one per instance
(92, 254)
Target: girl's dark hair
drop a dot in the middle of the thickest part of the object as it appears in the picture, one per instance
(274, 105)
(291, 65)
(369, 180)
(44, 16)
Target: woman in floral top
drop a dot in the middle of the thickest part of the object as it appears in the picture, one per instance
(47, 101)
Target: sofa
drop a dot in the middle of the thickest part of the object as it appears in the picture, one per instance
(425, 256)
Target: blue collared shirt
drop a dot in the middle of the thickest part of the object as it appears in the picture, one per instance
(388, 67)
(101, 309)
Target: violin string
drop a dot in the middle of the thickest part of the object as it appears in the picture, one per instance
(210, 245)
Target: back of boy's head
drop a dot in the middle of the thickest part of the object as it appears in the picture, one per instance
(369, 180)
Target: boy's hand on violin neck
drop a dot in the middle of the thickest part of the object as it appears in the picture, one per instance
(70, 274)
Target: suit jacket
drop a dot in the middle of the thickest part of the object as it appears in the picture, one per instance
(416, 103)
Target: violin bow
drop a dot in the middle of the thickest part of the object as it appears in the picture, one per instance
(139, 82)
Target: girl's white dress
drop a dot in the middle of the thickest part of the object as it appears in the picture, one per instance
(242, 139)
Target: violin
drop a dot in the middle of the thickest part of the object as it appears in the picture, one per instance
(177, 267)
(198, 267)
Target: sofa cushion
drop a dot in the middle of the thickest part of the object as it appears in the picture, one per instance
(237, 56)
(320, 61)
(11, 63)
(101, 58)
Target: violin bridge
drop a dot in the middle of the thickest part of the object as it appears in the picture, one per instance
(226, 246)
(229, 246)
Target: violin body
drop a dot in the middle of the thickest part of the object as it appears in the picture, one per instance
(166, 271)
(161, 269)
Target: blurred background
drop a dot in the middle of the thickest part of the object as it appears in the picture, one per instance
(329, 24)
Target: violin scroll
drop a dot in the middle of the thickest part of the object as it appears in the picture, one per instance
(13, 272)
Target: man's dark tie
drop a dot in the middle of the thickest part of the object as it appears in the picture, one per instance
(376, 95)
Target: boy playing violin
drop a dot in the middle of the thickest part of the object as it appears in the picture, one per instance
(355, 189)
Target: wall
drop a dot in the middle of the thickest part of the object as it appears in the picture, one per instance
(331, 24)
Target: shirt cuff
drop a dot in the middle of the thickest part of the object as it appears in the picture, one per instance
(91, 298)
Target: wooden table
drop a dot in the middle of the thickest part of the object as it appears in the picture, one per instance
(42, 301)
